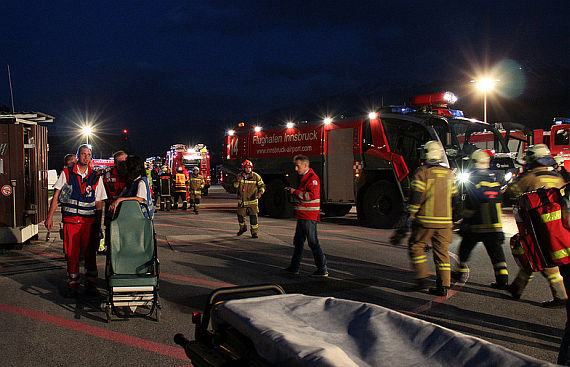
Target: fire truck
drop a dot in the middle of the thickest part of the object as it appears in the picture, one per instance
(364, 162)
(188, 158)
(23, 176)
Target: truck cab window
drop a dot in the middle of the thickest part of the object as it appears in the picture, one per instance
(406, 138)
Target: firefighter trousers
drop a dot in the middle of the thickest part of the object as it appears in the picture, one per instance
(179, 195)
(195, 202)
(555, 281)
(440, 239)
(81, 238)
(493, 243)
(252, 211)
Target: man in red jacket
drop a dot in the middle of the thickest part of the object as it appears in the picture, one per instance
(307, 211)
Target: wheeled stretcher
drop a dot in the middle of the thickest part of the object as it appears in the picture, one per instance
(299, 330)
(132, 266)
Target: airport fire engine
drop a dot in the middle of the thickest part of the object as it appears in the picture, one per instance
(362, 162)
(188, 158)
(23, 176)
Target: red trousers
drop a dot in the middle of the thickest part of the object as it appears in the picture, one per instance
(81, 237)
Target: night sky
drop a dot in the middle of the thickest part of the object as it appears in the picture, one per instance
(184, 71)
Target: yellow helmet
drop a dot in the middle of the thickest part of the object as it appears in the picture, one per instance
(481, 158)
(535, 152)
(559, 160)
(433, 151)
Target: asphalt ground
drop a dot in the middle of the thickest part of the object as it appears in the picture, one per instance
(199, 253)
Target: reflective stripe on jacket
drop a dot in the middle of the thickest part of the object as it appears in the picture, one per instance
(80, 204)
(248, 188)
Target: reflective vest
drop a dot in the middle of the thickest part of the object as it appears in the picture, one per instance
(78, 202)
(132, 192)
(180, 182)
(114, 184)
(542, 232)
(482, 213)
(308, 197)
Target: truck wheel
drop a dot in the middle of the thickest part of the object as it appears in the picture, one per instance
(276, 200)
(336, 210)
(381, 205)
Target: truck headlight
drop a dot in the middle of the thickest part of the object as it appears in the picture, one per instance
(463, 177)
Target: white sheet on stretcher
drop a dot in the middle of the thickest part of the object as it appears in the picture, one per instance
(299, 330)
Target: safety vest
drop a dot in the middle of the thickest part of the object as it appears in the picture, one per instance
(180, 182)
(132, 191)
(543, 235)
(78, 204)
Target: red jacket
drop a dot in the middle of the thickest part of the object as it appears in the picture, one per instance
(114, 185)
(308, 197)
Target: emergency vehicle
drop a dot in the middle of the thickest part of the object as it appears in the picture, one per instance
(557, 139)
(188, 158)
(23, 175)
(363, 162)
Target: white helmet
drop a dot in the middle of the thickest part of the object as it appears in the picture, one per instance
(481, 158)
(433, 151)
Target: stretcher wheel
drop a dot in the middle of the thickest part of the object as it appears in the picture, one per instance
(157, 314)
(108, 312)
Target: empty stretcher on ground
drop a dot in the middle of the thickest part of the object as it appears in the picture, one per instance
(299, 330)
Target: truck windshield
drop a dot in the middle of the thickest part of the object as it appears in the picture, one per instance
(468, 136)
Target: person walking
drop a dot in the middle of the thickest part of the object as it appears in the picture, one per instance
(430, 213)
(482, 220)
(307, 198)
(81, 193)
(539, 172)
(195, 185)
(249, 187)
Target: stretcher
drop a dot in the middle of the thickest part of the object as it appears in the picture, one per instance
(299, 330)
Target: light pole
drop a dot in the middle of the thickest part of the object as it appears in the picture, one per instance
(87, 131)
(485, 85)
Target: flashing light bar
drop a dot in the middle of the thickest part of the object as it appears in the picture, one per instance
(561, 120)
(443, 98)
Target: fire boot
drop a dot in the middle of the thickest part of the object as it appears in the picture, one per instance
(501, 276)
(439, 289)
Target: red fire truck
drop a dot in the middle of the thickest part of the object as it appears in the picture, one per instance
(188, 158)
(362, 162)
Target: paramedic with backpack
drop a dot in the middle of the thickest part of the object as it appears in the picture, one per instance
(81, 193)
(539, 172)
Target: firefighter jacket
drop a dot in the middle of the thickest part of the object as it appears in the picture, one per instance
(114, 185)
(196, 184)
(430, 203)
(180, 182)
(248, 186)
(78, 206)
(482, 213)
(308, 197)
(534, 179)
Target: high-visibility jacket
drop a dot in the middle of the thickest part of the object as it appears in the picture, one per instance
(430, 203)
(535, 178)
(180, 182)
(248, 188)
(482, 213)
(196, 184)
(79, 205)
(308, 197)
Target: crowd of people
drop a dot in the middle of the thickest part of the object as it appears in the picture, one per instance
(84, 195)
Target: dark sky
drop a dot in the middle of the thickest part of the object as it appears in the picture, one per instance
(183, 71)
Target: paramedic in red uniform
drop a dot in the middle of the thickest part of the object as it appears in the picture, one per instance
(81, 193)
(307, 211)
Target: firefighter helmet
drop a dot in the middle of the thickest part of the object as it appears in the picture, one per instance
(433, 151)
(481, 158)
(559, 160)
(539, 154)
(246, 163)
(179, 169)
(164, 169)
(195, 169)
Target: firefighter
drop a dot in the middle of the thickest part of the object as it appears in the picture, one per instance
(81, 193)
(114, 181)
(249, 187)
(165, 182)
(430, 214)
(195, 185)
(539, 172)
(561, 169)
(180, 181)
(482, 220)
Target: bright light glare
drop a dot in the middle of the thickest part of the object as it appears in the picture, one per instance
(449, 97)
(231, 132)
(508, 176)
(257, 129)
(86, 130)
(463, 177)
(485, 84)
(290, 125)
(373, 115)
(327, 121)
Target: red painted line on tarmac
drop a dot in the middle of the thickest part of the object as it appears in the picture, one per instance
(98, 332)
(196, 280)
(48, 254)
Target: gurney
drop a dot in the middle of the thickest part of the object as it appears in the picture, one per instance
(299, 330)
